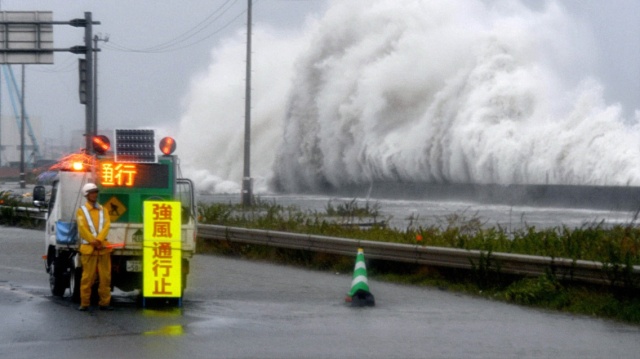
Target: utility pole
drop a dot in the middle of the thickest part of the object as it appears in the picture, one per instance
(247, 191)
(95, 80)
(1, 111)
(88, 56)
(1, 117)
(23, 181)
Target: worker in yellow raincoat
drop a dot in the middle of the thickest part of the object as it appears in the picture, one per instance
(95, 253)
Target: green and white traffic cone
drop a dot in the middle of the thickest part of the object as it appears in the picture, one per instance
(359, 295)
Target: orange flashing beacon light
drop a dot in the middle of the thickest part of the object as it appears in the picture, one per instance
(167, 146)
(77, 166)
(101, 144)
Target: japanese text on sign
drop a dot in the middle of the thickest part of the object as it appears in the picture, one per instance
(162, 266)
(134, 175)
(118, 174)
(162, 214)
(162, 270)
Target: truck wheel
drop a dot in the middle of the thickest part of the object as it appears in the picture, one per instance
(74, 283)
(56, 277)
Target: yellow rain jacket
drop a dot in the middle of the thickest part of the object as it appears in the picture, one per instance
(85, 232)
(95, 263)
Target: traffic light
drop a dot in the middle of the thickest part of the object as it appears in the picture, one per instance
(82, 72)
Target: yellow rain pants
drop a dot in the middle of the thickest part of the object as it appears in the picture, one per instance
(95, 264)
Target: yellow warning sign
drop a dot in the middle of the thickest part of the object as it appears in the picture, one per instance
(162, 256)
(115, 208)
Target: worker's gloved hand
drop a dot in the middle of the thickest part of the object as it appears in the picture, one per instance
(97, 244)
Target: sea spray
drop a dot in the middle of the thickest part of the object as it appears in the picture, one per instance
(211, 130)
(420, 91)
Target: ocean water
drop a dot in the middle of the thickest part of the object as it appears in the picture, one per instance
(404, 213)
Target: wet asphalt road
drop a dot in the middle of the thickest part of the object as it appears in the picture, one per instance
(241, 309)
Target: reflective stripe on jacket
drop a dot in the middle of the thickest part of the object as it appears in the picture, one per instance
(93, 223)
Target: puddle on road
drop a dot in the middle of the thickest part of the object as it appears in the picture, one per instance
(164, 313)
(169, 330)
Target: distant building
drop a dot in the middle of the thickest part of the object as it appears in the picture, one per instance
(10, 141)
(50, 147)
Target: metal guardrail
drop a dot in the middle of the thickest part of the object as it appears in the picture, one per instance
(518, 264)
(527, 265)
(28, 212)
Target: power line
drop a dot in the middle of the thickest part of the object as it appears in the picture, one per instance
(68, 65)
(201, 26)
(181, 41)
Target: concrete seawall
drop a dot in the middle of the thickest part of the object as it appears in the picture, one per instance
(592, 197)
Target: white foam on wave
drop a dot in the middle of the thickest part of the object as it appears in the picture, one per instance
(465, 91)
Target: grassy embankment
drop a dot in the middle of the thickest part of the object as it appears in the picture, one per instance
(618, 245)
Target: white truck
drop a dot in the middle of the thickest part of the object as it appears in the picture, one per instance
(124, 187)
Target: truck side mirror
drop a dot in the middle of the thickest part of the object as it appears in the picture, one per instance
(39, 196)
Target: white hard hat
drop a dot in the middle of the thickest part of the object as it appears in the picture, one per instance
(89, 187)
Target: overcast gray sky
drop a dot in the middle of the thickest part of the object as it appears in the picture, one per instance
(145, 88)
(616, 28)
(139, 88)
